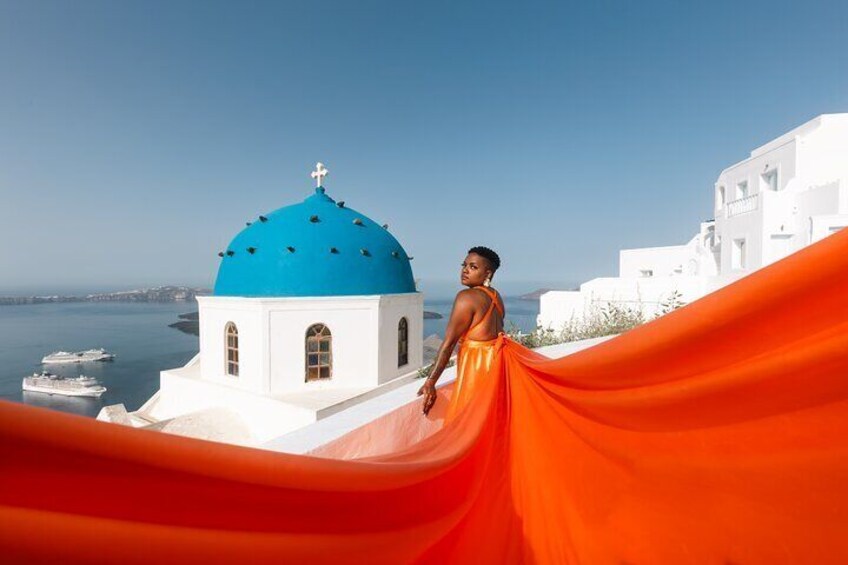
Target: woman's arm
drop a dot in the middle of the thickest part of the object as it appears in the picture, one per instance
(460, 320)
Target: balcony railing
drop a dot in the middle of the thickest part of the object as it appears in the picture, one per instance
(742, 205)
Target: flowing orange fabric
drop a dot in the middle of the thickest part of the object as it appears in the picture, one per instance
(716, 434)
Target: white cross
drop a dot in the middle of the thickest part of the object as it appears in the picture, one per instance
(319, 173)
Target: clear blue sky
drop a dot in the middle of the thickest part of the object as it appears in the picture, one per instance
(136, 138)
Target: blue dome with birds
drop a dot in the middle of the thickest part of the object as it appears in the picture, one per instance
(318, 247)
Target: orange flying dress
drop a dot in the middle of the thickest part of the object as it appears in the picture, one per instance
(474, 359)
(715, 434)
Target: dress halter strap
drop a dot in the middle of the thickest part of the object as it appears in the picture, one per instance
(493, 303)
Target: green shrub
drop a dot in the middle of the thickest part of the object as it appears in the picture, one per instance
(599, 321)
(673, 302)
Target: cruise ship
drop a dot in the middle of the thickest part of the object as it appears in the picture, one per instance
(78, 356)
(66, 386)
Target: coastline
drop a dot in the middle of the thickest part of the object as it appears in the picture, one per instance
(153, 294)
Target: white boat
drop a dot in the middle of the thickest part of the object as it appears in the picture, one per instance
(66, 386)
(78, 356)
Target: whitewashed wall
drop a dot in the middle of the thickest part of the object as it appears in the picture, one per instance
(662, 261)
(392, 309)
(248, 317)
(272, 340)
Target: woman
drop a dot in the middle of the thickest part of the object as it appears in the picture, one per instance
(476, 323)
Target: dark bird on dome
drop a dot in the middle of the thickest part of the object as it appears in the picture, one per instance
(395, 254)
(230, 253)
(251, 250)
(248, 223)
(365, 252)
(290, 248)
(263, 219)
(410, 258)
(385, 226)
(340, 203)
(220, 254)
(333, 250)
(313, 219)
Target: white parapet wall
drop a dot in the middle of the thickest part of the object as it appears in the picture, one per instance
(648, 295)
(327, 430)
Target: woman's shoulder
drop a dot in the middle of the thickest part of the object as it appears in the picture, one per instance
(475, 293)
(466, 294)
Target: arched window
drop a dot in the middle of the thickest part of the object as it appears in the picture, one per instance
(319, 353)
(403, 342)
(231, 347)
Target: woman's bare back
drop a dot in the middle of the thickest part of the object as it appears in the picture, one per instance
(494, 324)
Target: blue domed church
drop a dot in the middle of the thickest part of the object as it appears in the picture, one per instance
(314, 306)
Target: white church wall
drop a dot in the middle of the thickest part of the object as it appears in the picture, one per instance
(352, 322)
(272, 339)
(392, 309)
(247, 315)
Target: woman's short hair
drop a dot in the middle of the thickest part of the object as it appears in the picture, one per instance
(491, 256)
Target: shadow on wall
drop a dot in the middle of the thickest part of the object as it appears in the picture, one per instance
(392, 432)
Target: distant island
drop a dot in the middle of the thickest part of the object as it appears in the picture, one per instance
(190, 323)
(156, 294)
(533, 295)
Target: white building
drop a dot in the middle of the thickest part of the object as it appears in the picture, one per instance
(314, 310)
(789, 193)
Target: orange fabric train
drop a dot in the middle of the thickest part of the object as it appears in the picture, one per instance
(716, 434)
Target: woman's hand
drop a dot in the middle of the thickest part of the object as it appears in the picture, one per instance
(460, 320)
(428, 389)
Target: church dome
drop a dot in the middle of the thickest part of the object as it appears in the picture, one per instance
(318, 247)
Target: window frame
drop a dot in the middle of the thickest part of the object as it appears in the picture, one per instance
(775, 173)
(403, 342)
(231, 351)
(320, 336)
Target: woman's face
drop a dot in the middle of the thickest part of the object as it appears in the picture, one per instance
(474, 271)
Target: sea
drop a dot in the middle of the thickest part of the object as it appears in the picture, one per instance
(143, 344)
